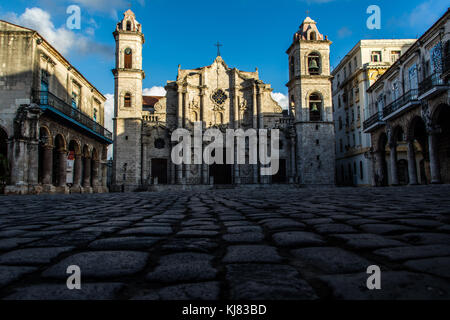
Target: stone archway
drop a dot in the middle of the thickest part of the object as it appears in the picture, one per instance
(418, 160)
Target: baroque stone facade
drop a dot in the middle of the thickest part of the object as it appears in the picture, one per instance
(219, 97)
(51, 117)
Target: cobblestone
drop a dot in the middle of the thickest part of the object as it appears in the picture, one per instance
(286, 243)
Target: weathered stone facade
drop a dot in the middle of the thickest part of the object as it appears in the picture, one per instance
(144, 125)
(410, 122)
(51, 120)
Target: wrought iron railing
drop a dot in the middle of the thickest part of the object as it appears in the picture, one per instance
(410, 96)
(430, 82)
(377, 117)
(45, 98)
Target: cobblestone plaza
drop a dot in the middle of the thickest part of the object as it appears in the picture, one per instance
(228, 244)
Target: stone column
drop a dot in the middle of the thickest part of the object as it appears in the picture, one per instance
(77, 172)
(434, 158)
(259, 109)
(145, 172)
(95, 171)
(237, 178)
(62, 170)
(172, 173)
(293, 167)
(255, 109)
(394, 171)
(180, 174)
(412, 169)
(47, 165)
(33, 163)
(180, 108)
(104, 177)
(205, 173)
(87, 172)
(236, 109)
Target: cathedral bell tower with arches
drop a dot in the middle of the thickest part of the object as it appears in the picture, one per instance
(310, 103)
(128, 76)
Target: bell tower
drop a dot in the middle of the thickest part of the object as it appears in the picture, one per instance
(128, 76)
(310, 103)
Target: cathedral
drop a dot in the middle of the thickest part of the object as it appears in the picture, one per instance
(222, 97)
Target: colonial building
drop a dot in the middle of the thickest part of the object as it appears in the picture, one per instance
(51, 120)
(219, 97)
(355, 73)
(410, 113)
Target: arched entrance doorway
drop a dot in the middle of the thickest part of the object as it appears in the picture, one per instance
(382, 174)
(418, 160)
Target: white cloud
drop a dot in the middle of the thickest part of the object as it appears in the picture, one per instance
(344, 32)
(106, 6)
(282, 99)
(154, 91)
(425, 14)
(64, 40)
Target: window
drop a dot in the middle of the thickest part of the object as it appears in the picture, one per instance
(436, 59)
(314, 64)
(355, 62)
(95, 115)
(127, 101)
(76, 90)
(412, 74)
(312, 36)
(395, 55)
(128, 25)
(128, 58)
(340, 123)
(375, 56)
(44, 81)
(315, 107)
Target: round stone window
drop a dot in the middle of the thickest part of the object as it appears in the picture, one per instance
(160, 144)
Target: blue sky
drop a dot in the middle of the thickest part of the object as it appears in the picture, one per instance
(254, 33)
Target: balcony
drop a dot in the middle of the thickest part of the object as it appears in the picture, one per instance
(400, 105)
(373, 122)
(48, 101)
(431, 86)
